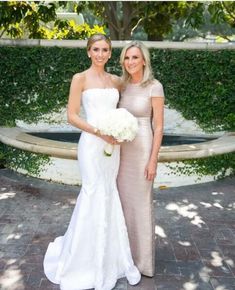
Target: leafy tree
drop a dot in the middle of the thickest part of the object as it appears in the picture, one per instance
(156, 17)
(207, 29)
(116, 15)
(222, 11)
(159, 17)
(15, 16)
(31, 19)
(223, 16)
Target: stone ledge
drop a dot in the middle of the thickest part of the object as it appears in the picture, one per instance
(118, 43)
(18, 138)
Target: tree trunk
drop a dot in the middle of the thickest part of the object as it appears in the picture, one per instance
(110, 14)
(120, 28)
(127, 17)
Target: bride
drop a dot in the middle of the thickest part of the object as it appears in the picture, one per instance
(94, 252)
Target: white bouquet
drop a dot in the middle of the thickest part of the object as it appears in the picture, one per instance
(120, 124)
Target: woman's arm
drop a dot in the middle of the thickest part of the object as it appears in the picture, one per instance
(74, 106)
(158, 117)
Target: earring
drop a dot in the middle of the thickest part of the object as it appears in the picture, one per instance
(89, 56)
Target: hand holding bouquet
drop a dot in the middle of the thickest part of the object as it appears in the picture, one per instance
(120, 124)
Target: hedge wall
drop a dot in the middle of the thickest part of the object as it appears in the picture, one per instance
(199, 84)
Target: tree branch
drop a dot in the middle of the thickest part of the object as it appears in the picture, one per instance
(110, 15)
(4, 30)
(228, 11)
(137, 24)
(226, 37)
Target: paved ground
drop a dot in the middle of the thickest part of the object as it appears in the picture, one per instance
(195, 234)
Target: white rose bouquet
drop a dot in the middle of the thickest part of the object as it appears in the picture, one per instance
(120, 124)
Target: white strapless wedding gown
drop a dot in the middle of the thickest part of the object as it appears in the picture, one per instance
(95, 250)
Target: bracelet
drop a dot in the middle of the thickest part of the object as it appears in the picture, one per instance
(96, 131)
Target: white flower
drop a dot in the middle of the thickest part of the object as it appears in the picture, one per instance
(120, 124)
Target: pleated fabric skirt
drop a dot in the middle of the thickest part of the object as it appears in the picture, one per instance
(136, 196)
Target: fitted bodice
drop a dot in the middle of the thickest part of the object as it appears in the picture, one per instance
(137, 99)
(97, 101)
(134, 189)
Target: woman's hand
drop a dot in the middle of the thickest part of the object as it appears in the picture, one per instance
(150, 170)
(109, 139)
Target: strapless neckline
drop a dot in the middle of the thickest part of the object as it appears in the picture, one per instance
(93, 89)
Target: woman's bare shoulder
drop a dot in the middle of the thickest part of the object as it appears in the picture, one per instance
(79, 80)
(81, 76)
(117, 81)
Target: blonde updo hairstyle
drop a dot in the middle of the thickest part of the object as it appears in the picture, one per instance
(97, 37)
(148, 75)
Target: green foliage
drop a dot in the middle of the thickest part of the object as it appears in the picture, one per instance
(207, 29)
(199, 84)
(21, 19)
(223, 11)
(219, 166)
(122, 18)
(16, 15)
(35, 81)
(156, 17)
(64, 29)
(15, 158)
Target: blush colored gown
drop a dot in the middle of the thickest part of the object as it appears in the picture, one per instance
(94, 252)
(134, 190)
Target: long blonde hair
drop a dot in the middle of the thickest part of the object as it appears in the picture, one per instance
(147, 75)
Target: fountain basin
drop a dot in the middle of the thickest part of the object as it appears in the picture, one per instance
(18, 138)
(168, 139)
(63, 154)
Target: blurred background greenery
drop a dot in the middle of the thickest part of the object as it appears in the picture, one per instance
(122, 20)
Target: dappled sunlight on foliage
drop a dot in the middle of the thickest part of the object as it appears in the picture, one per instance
(25, 19)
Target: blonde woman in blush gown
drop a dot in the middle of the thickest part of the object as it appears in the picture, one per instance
(143, 96)
(94, 251)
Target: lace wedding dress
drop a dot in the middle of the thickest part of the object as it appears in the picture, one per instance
(95, 250)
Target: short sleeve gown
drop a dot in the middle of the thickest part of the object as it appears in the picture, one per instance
(135, 191)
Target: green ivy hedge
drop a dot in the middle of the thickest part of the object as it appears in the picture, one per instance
(219, 166)
(199, 84)
(15, 159)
